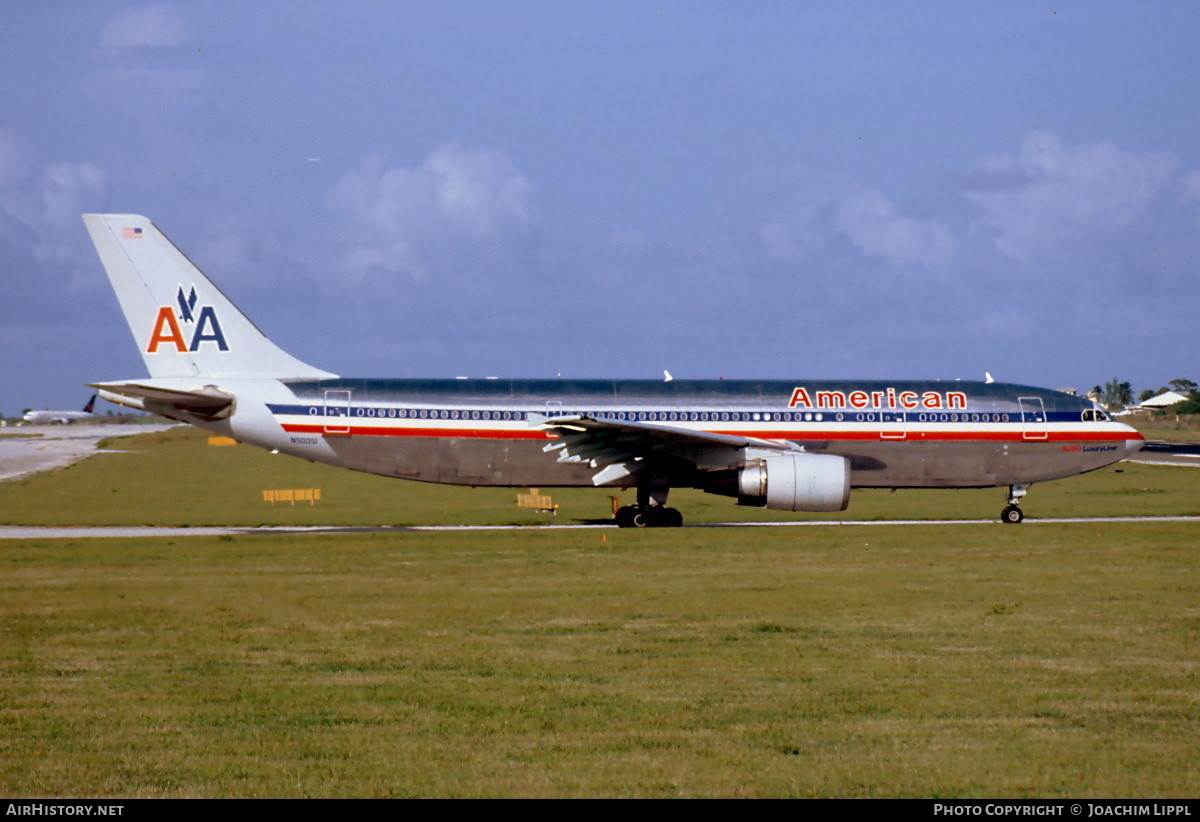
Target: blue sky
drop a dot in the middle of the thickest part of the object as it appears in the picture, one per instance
(610, 189)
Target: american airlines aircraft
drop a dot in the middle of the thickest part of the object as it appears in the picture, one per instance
(794, 445)
(64, 417)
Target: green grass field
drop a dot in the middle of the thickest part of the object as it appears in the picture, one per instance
(962, 660)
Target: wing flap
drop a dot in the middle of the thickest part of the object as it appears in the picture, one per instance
(619, 448)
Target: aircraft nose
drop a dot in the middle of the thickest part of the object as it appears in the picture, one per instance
(1133, 443)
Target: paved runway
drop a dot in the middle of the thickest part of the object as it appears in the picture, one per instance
(55, 446)
(1168, 452)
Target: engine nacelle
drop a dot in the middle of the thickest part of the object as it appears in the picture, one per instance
(796, 482)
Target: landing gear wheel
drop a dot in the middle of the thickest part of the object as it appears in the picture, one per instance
(634, 516)
(1011, 514)
(665, 517)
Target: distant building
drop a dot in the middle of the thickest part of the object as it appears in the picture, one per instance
(1163, 400)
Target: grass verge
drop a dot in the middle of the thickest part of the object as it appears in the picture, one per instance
(918, 661)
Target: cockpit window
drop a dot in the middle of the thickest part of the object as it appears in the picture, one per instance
(1095, 415)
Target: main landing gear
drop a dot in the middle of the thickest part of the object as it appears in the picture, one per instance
(651, 510)
(1012, 512)
(656, 516)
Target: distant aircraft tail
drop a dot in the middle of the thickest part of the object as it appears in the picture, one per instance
(182, 323)
(91, 405)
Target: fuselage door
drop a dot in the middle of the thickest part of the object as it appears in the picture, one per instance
(337, 411)
(554, 408)
(1033, 419)
(892, 425)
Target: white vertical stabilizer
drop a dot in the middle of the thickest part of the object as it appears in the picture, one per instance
(182, 323)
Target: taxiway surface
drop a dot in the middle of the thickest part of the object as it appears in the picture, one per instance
(37, 448)
(86, 532)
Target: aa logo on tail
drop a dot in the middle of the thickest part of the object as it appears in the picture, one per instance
(168, 331)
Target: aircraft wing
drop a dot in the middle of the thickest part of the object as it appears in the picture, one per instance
(620, 448)
(208, 403)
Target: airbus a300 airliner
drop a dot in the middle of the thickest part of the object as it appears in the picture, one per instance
(794, 445)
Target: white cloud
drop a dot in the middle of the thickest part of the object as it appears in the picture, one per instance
(157, 25)
(796, 230)
(480, 188)
(1049, 193)
(67, 188)
(872, 223)
(868, 219)
(459, 197)
(139, 57)
(49, 209)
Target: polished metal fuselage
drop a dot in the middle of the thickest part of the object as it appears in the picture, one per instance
(895, 434)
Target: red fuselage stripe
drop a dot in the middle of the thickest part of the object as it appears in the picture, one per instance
(897, 435)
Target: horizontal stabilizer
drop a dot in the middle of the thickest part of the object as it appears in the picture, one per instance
(207, 403)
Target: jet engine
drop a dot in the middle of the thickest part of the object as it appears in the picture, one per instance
(796, 482)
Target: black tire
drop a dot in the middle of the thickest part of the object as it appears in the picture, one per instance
(624, 516)
(660, 517)
(1011, 515)
(640, 518)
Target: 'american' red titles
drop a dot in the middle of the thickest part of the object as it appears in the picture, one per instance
(887, 398)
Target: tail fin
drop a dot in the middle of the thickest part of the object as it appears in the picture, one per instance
(182, 323)
(91, 405)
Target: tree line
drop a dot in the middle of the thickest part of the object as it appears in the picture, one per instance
(1116, 394)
